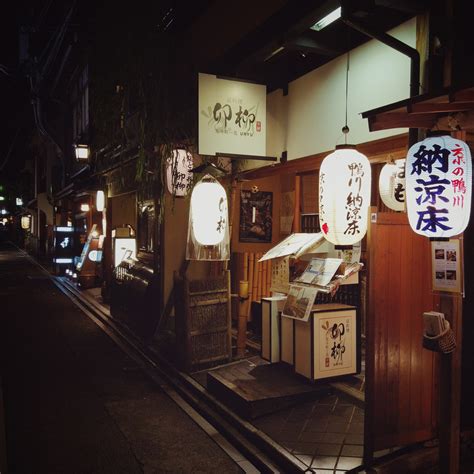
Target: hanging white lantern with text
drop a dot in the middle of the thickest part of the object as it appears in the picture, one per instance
(344, 195)
(179, 176)
(439, 186)
(100, 201)
(208, 228)
(392, 185)
(25, 222)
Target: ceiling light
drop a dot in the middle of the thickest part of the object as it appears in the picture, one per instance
(327, 20)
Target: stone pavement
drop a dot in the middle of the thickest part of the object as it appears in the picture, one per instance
(74, 402)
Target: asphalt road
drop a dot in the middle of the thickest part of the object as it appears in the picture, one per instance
(74, 403)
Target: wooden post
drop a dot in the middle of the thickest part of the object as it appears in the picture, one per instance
(297, 210)
(450, 378)
(264, 278)
(243, 302)
(251, 278)
(260, 275)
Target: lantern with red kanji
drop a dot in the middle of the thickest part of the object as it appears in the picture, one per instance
(439, 186)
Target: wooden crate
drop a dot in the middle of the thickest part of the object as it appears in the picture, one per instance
(203, 321)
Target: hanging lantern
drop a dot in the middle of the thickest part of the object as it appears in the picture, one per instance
(209, 211)
(178, 172)
(100, 201)
(439, 186)
(25, 222)
(392, 185)
(344, 195)
(208, 229)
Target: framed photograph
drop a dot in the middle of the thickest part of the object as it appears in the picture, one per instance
(446, 266)
(256, 216)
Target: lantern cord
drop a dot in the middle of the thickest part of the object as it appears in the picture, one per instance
(345, 129)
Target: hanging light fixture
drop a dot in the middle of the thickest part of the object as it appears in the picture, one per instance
(208, 229)
(209, 211)
(100, 201)
(82, 152)
(25, 222)
(344, 195)
(344, 190)
(439, 186)
(179, 176)
(392, 185)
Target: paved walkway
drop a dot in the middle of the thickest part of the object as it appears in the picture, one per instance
(74, 402)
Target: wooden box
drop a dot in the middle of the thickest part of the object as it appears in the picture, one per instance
(287, 340)
(326, 345)
(271, 328)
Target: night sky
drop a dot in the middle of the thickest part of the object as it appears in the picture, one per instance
(17, 117)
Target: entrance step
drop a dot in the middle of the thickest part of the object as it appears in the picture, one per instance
(252, 390)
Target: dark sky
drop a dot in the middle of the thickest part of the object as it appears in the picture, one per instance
(16, 112)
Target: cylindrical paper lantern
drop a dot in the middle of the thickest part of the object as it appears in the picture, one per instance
(392, 185)
(439, 186)
(209, 211)
(344, 195)
(178, 172)
(100, 201)
(25, 222)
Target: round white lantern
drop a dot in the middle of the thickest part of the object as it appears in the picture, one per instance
(179, 176)
(100, 201)
(209, 217)
(439, 186)
(25, 222)
(392, 185)
(344, 195)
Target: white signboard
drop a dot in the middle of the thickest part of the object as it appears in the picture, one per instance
(232, 117)
(336, 344)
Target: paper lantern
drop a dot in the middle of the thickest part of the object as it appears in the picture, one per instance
(439, 186)
(392, 185)
(100, 201)
(179, 176)
(209, 215)
(25, 222)
(344, 195)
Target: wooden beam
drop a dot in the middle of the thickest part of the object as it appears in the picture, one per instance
(376, 151)
(401, 120)
(233, 156)
(466, 95)
(439, 108)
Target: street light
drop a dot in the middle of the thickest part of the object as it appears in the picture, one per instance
(82, 152)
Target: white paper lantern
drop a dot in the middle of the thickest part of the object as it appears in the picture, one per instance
(392, 185)
(439, 186)
(100, 201)
(344, 195)
(178, 172)
(208, 210)
(25, 222)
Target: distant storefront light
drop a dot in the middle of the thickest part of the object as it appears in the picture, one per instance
(85, 207)
(19, 202)
(82, 152)
(25, 222)
(2, 198)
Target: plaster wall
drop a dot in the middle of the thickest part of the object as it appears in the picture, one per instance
(309, 119)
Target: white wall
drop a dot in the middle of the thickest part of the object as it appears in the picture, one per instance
(310, 118)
